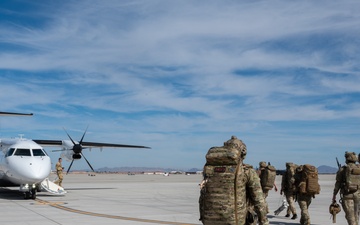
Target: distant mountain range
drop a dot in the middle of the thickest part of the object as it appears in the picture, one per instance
(321, 169)
(143, 169)
(327, 169)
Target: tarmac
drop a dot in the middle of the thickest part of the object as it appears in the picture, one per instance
(138, 200)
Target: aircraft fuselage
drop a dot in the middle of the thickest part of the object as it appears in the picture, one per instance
(23, 163)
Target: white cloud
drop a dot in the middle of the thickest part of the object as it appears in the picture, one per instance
(183, 75)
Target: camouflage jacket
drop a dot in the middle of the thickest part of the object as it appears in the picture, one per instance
(248, 195)
(288, 181)
(251, 192)
(58, 167)
(340, 180)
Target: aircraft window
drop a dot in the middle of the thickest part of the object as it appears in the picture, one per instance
(22, 152)
(38, 152)
(10, 152)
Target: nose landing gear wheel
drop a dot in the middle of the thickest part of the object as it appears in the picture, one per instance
(30, 194)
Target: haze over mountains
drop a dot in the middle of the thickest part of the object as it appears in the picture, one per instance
(321, 169)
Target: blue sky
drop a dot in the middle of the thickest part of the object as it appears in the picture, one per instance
(183, 76)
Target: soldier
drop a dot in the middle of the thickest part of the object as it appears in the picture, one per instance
(288, 188)
(348, 181)
(59, 172)
(238, 194)
(262, 166)
(306, 182)
(267, 177)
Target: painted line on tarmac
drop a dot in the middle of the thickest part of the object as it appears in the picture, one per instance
(60, 206)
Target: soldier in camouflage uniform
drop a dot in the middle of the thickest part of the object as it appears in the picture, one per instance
(288, 188)
(262, 166)
(350, 200)
(304, 200)
(59, 172)
(248, 193)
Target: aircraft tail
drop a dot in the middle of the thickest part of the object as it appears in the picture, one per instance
(52, 188)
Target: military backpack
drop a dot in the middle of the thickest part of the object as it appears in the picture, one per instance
(352, 178)
(218, 196)
(308, 180)
(267, 177)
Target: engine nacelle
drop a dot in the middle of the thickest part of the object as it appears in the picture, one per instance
(76, 156)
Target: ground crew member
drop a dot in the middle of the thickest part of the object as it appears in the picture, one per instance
(349, 196)
(288, 188)
(59, 172)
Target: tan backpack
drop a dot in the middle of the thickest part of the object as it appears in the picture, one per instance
(352, 178)
(217, 199)
(307, 180)
(267, 177)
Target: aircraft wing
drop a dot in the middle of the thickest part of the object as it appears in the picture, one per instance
(15, 114)
(87, 144)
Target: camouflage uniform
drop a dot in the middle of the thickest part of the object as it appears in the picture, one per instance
(262, 166)
(349, 201)
(304, 200)
(248, 196)
(251, 190)
(304, 203)
(288, 188)
(59, 172)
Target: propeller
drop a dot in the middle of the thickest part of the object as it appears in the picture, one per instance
(77, 149)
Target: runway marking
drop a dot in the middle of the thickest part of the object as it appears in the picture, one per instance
(58, 206)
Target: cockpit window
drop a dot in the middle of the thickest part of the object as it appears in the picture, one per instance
(10, 152)
(38, 152)
(22, 152)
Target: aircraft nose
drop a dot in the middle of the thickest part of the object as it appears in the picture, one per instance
(38, 170)
(32, 170)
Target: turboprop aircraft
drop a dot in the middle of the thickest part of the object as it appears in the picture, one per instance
(72, 150)
(25, 163)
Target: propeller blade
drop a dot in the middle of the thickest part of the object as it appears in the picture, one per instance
(69, 166)
(59, 150)
(87, 162)
(15, 114)
(83, 135)
(70, 137)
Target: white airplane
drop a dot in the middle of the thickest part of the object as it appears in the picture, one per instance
(25, 163)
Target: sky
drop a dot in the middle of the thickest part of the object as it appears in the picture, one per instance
(184, 76)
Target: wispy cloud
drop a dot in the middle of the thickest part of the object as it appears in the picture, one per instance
(183, 76)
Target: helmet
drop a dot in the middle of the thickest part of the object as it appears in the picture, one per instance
(334, 209)
(234, 142)
(262, 164)
(351, 157)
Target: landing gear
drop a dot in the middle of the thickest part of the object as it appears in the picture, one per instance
(30, 194)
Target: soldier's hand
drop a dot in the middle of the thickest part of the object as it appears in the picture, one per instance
(334, 198)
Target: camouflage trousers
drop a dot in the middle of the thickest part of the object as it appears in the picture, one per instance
(350, 205)
(290, 199)
(60, 179)
(266, 193)
(304, 203)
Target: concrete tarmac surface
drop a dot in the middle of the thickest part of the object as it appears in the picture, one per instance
(138, 200)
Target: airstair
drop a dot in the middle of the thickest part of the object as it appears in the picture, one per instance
(52, 188)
